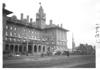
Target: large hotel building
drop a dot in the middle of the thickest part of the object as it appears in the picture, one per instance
(20, 35)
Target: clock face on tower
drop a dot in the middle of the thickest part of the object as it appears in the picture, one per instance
(40, 16)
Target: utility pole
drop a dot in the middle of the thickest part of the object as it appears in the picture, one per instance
(27, 48)
(26, 42)
(73, 44)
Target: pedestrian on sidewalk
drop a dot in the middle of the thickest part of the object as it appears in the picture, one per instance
(42, 54)
(68, 53)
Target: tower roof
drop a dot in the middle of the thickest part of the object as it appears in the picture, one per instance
(41, 8)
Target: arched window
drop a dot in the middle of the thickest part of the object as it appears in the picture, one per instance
(20, 48)
(35, 48)
(44, 49)
(39, 48)
(30, 49)
(24, 48)
(6, 47)
(11, 48)
(16, 48)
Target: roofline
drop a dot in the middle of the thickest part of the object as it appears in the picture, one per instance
(58, 28)
(20, 23)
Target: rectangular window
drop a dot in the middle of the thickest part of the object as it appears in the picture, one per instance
(15, 34)
(11, 27)
(15, 28)
(24, 40)
(35, 33)
(6, 38)
(6, 27)
(29, 37)
(29, 31)
(10, 33)
(18, 39)
(6, 33)
(10, 39)
(32, 32)
(38, 33)
(32, 36)
(35, 38)
(18, 35)
(14, 39)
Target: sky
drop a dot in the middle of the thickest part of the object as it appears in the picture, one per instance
(78, 16)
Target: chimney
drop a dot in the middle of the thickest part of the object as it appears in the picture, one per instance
(30, 20)
(27, 18)
(61, 25)
(22, 16)
(50, 22)
(58, 25)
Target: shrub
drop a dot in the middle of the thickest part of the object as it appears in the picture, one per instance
(64, 53)
(58, 53)
(49, 53)
(42, 54)
(6, 52)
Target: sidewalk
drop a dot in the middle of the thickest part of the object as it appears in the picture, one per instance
(71, 64)
(32, 58)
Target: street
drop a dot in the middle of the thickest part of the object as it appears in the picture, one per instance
(75, 61)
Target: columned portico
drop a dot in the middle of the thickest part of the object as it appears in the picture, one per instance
(38, 48)
(32, 48)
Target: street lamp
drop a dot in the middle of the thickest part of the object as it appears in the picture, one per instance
(27, 47)
(26, 41)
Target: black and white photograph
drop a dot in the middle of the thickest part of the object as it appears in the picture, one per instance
(50, 33)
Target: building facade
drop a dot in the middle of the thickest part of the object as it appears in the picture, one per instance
(20, 35)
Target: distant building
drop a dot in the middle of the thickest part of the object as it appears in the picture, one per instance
(21, 35)
(86, 49)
